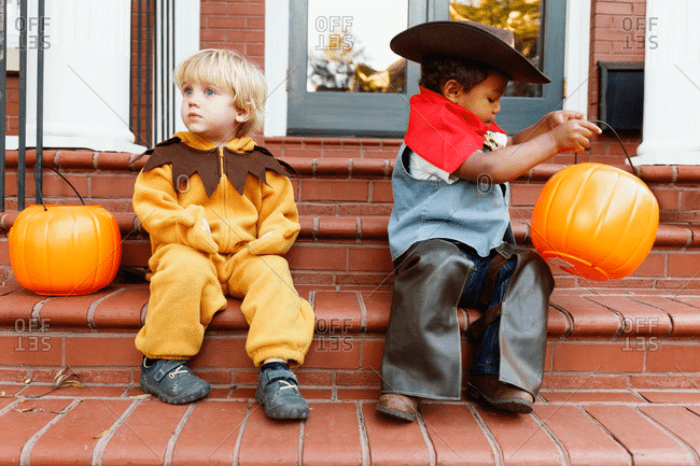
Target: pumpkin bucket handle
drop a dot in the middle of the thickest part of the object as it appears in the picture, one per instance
(629, 159)
(69, 184)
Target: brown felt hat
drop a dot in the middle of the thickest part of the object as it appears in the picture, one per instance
(467, 39)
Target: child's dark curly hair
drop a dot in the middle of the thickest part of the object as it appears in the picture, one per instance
(436, 70)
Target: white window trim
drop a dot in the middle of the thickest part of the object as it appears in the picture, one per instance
(276, 66)
(187, 25)
(577, 55)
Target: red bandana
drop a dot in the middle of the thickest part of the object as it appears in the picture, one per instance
(442, 132)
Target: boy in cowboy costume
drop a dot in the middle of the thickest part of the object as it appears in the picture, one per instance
(449, 230)
(220, 213)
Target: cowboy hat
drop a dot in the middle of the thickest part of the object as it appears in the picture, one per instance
(467, 39)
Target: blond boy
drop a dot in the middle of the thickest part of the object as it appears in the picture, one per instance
(220, 213)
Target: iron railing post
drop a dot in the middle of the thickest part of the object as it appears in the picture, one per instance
(39, 164)
(3, 92)
(22, 134)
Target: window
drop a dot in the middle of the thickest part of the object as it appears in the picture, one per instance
(344, 79)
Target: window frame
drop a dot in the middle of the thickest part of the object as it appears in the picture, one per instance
(386, 115)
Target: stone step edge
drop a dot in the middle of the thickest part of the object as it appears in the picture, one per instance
(611, 314)
(328, 227)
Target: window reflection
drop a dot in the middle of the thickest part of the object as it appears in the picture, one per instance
(348, 43)
(522, 17)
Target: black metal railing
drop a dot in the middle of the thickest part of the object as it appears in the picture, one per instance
(3, 97)
(152, 94)
(22, 20)
(164, 61)
(153, 114)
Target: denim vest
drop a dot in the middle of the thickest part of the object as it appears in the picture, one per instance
(475, 214)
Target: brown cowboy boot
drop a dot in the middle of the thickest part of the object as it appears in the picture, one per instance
(500, 395)
(399, 406)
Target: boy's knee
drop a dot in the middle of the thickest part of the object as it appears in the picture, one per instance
(270, 267)
(182, 260)
(436, 257)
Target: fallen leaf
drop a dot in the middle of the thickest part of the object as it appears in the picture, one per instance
(145, 396)
(71, 383)
(106, 432)
(66, 378)
(38, 410)
(28, 381)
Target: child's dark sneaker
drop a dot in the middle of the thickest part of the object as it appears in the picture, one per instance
(172, 381)
(278, 392)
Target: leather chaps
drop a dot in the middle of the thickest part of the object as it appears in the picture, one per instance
(422, 353)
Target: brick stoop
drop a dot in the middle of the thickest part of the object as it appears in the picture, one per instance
(621, 371)
(620, 387)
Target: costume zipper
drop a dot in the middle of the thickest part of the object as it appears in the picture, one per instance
(223, 192)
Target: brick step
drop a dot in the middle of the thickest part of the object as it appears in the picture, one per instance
(353, 251)
(368, 228)
(597, 338)
(107, 425)
(356, 185)
(620, 388)
(344, 196)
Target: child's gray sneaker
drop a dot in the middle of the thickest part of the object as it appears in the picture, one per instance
(172, 381)
(278, 392)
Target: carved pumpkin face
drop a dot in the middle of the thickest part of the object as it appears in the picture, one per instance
(595, 221)
(65, 250)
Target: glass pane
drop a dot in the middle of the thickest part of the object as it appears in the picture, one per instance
(522, 17)
(348, 43)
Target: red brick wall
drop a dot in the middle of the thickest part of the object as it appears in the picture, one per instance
(12, 104)
(617, 35)
(235, 24)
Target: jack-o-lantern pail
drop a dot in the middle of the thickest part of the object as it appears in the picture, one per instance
(595, 221)
(64, 250)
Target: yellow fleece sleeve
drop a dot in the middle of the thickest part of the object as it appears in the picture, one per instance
(165, 220)
(278, 222)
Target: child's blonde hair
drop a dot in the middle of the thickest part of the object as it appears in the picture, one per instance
(230, 71)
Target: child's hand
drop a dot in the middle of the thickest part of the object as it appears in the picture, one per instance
(269, 243)
(573, 134)
(558, 118)
(199, 237)
(547, 123)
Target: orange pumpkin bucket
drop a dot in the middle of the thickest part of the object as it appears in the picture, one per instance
(595, 221)
(62, 250)
(65, 250)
